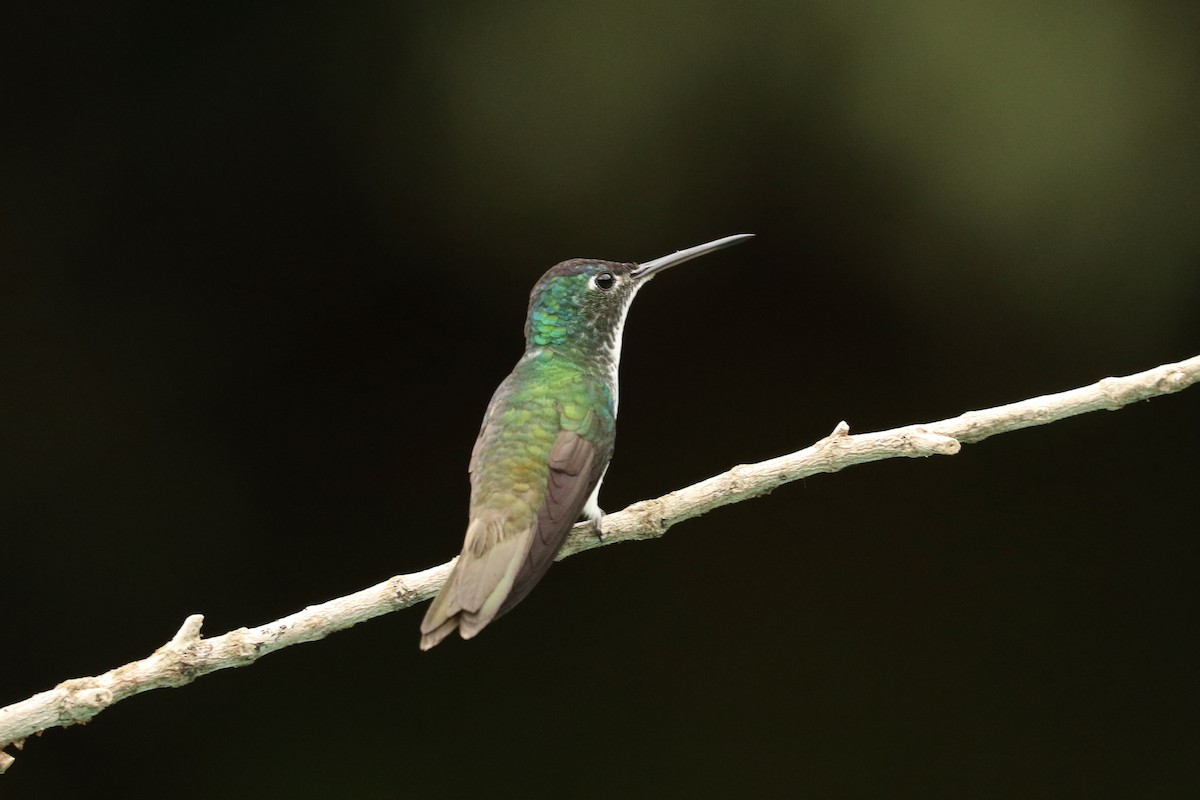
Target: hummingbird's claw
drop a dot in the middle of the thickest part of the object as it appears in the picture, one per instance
(598, 526)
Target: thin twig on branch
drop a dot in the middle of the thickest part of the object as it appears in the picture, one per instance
(187, 655)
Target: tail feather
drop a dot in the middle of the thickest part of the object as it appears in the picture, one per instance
(436, 635)
(478, 585)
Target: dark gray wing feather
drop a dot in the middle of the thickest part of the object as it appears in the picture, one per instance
(483, 585)
(575, 468)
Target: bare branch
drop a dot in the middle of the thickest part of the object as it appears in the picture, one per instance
(187, 655)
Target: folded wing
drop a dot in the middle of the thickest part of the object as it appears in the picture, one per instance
(500, 563)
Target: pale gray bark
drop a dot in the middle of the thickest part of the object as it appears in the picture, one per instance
(187, 655)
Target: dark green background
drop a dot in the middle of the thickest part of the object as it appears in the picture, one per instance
(261, 266)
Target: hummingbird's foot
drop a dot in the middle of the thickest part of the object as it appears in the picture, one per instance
(592, 511)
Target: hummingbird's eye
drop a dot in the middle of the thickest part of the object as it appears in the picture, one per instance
(604, 280)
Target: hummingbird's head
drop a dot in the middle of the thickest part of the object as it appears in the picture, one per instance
(579, 304)
(578, 307)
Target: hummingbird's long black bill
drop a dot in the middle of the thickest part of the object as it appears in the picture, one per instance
(648, 269)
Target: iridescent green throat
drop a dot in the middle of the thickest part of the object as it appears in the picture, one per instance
(570, 315)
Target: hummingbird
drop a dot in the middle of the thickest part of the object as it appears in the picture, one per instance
(546, 439)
